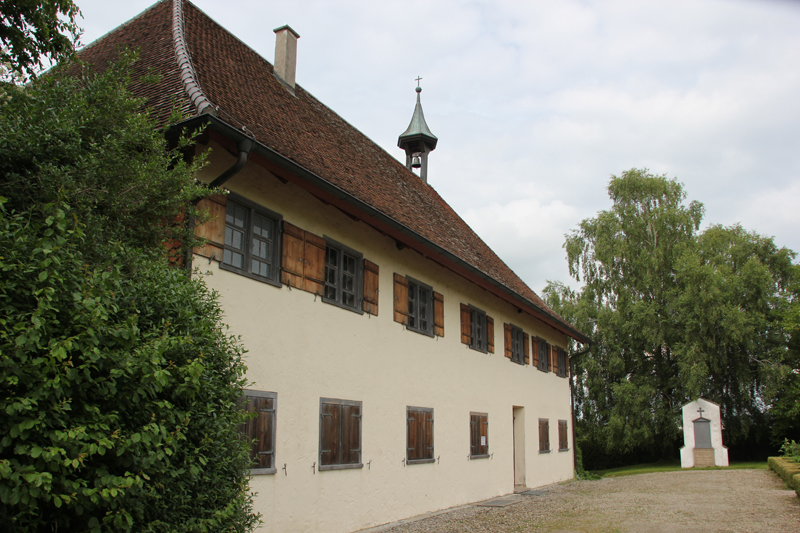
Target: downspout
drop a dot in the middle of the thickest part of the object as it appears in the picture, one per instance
(572, 357)
(245, 146)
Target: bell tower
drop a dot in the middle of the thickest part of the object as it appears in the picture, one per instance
(418, 141)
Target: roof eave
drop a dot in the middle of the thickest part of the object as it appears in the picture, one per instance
(236, 135)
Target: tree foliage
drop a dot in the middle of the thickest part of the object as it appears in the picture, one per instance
(675, 314)
(118, 383)
(32, 30)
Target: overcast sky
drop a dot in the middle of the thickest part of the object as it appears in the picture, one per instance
(537, 103)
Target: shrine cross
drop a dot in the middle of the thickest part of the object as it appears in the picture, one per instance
(701, 412)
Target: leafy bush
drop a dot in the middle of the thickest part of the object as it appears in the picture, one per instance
(118, 390)
(791, 449)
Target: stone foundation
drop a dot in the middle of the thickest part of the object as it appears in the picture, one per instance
(703, 457)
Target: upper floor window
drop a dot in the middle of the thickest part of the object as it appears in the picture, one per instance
(418, 306)
(516, 342)
(544, 355)
(260, 430)
(343, 276)
(562, 363)
(477, 329)
(251, 243)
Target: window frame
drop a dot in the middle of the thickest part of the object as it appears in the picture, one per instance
(413, 314)
(358, 281)
(544, 444)
(276, 218)
(517, 345)
(483, 418)
(245, 428)
(475, 312)
(342, 441)
(424, 411)
(565, 442)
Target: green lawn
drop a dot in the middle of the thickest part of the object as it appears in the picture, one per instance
(673, 466)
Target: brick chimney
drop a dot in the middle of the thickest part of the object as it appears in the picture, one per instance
(286, 55)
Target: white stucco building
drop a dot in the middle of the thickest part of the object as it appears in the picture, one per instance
(398, 366)
(702, 435)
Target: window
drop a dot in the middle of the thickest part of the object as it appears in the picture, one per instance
(343, 276)
(561, 367)
(516, 342)
(251, 246)
(419, 435)
(260, 430)
(544, 435)
(478, 435)
(544, 355)
(339, 434)
(563, 441)
(418, 306)
(477, 329)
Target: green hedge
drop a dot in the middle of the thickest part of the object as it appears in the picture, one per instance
(788, 470)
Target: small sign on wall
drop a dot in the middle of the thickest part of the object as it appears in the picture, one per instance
(483, 440)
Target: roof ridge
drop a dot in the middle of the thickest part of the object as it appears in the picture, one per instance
(188, 74)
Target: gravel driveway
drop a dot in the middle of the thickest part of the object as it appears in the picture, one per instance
(730, 501)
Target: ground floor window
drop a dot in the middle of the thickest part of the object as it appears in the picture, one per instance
(419, 435)
(478, 435)
(563, 441)
(339, 434)
(259, 430)
(544, 435)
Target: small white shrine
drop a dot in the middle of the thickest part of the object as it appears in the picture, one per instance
(702, 435)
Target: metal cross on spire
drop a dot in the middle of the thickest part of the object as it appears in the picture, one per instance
(418, 78)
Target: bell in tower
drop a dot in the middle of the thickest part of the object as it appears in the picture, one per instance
(418, 141)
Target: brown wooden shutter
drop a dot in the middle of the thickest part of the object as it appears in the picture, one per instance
(484, 448)
(438, 314)
(535, 350)
(314, 269)
(293, 252)
(351, 434)
(474, 434)
(400, 299)
(555, 359)
(428, 441)
(412, 428)
(466, 324)
(509, 344)
(371, 288)
(262, 431)
(328, 434)
(525, 349)
(214, 228)
(490, 333)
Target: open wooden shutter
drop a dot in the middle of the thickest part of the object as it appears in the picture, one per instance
(555, 360)
(314, 269)
(214, 229)
(466, 324)
(438, 314)
(490, 333)
(371, 289)
(507, 337)
(303, 259)
(400, 299)
(293, 252)
(525, 349)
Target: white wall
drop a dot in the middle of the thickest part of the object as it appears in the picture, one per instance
(304, 349)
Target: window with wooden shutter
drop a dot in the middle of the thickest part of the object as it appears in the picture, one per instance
(371, 287)
(544, 355)
(339, 434)
(563, 441)
(475, 328)
(213, 230)
(251, 245)
(343, 276)
(518, 345)
(438, 314)
(303, 260)
(419, 435)
(562, 363)
(544, 435)
(259, 429)
(478, 435)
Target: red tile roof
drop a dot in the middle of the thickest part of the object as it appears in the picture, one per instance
(241, 86)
